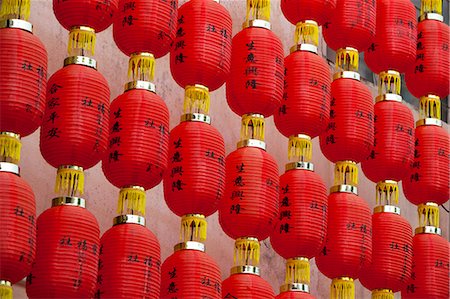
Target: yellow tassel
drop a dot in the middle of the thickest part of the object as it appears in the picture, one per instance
(307, 33)
(431, 6)
(430, 107)
(82, 39)
(252, 127)
(10, 147)
(428, 214)
(258, 9)
(390, 82)
(387, 193)
(347, 59)
(300, 148)
(196, 99)
(342, 288)
(298, 271)
(382, 294)
(15, 9)
(6, 291)
(193, 228)
(346, 173)
(246, 252)
(131, 201)
(69, 180)
(141, 66)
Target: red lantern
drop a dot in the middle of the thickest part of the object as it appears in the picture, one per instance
(431, 72)
(249, 205)
(348, 246)
(352, 25)
(394, 45)
(202, 48)
(66, 230)
(429, 174)
(17, 220)
(91, 13)
(295, 295)
(307, 87)
(23, 69)
(244, 285)
(75, 127)
(130, 261)
(301, 10)
(350, 132)
(138, 140)
(145, 26)
(194, 183)
(430, 260)
(391, 252)
(190, 273)
(255, 84)
(302, 223)
(393, 152)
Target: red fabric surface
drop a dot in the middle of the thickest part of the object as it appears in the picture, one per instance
(67, 248)
(75, 126)
(246, 286)
(295, 295)
(23, 69)
(202, 49)
(301, 10)
(195, 179)
(129, 263)
(138, 140)
(249, 206)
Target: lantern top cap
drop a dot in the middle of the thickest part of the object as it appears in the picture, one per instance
(138, 84)
(431, 16)
(387, 209)
(252, 143)
(294, 287)
(429, 122)
(347, 75)
(257, 23)
(344, 189)
(305, 48)
(299, 165)
(17, 24)
(129, 219)
(69, 201)
(389, 97)
(10, 167)
(428, 230)
(196, 117)
(81, 60)
(246, 269)
(189, 245)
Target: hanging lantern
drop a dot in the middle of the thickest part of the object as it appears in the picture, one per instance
(394, 45)
(66, 230)
(245, 282)
(429, 174)
(17, 220)
(130, 261)
(75, 130)
(190, 273)
(300, 10)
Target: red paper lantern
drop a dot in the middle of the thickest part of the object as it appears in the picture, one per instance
(348, 245)
(71, 232)
(138, 140)
(307, 95)
(352, 25)
(391, 252)
(91, 13)
(202, 48)
(250, 203)
(429, 174)
(17, 220)
(393, 152)
(431, 72)
(301, 10)
(190, 274)
(75, 127)
(255, 84)
(295, 295)
(195, 181)
(243, 285)
(430, 268)
(130, 261)
(302, 221)
(394, 45)
(145, 26)
(350, 132)
(23, 69)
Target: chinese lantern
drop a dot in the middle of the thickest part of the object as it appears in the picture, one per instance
(245, 282)
(66, 229)
(318, 10)
(190, 273)
(129, 261)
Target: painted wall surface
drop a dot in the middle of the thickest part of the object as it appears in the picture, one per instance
(102, 196)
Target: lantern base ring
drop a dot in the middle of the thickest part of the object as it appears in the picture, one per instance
(138, 84)
(245, 270)
(387, 209)
(429, 122)
(300, 165)
(69, 201)
(17, 24)
(389, 97)
(428, 230)
(431, 16)
(9, 167)
(196, 117)
(294, 287)
(344, 188)
(304, 47)
(252, 143)
(257, 23)
(347, 75)
(130, 219)
(81, 60)
(189, 245)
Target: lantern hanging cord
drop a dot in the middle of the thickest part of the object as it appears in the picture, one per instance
(132, 200)
(258, 9)
(10, 147)
(15, 9)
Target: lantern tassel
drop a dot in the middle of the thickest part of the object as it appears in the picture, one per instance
(307, 33)
(6, 291)
(430, 107)
(428, 214)
(298, 271)
(256, 123)
(347, 59)
(258, 9)
(431, 6)
(131, 201)
(69, 180)
(246, 252)
(193, 228)
(300, 148)
(382, 294)
(390, 82)
(81, 38)
(141, 66)
(10, 147)
(387, 192)
(15, 9)
(342, 288)
(196, 99)
(346, 173)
